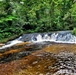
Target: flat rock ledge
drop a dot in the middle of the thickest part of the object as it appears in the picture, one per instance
(42, 59)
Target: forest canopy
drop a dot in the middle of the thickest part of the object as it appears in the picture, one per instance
(28, 16)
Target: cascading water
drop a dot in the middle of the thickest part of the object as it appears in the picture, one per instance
(57, 37)
(11, 43)
(38, 38)
(58, 59)
(60, 37)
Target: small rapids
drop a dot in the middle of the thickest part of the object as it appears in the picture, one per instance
(46, 54)
(56, 37)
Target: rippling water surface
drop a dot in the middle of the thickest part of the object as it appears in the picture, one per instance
(43, 58)
(39, 54)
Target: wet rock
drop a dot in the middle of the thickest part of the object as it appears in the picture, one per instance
(20, 50)
(54, 59)
(1, 44)
(66, 63)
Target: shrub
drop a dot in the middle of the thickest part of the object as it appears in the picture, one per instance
(74, 31)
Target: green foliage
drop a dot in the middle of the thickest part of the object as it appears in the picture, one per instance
(19, 16)
(74, 31)
(7, 18)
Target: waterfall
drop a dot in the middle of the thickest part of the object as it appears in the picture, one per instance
(46, 37)
(39, 38)
(54, 37)
(11, 43)
(57, 37)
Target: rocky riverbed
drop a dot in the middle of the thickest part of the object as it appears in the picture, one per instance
(44, 58)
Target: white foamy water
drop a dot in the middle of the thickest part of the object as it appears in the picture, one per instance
(57, 37)
(39, 38)
(11, 44)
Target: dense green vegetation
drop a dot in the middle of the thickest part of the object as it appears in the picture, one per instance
(74, 31)
(25, 16)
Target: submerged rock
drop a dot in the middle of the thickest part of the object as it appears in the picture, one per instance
(39, 59)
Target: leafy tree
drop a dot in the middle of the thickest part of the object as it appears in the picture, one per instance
(19, 16)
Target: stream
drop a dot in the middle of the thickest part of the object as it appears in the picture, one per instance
(52, 53)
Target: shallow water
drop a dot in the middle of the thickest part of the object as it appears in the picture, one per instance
(41, 58)
(39, 54)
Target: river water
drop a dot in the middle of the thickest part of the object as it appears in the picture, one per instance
(39, 54)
